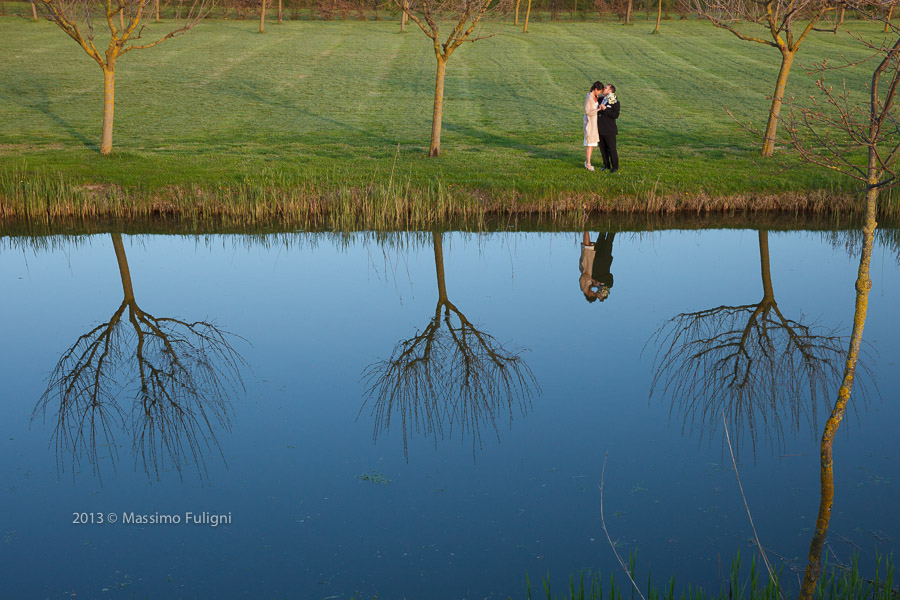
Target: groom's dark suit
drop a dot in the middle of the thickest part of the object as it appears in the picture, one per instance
(606, 127)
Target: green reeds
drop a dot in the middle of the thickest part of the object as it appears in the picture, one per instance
(836, 583)
(386, 203)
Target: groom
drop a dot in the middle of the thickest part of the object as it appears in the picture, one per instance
(606, 127)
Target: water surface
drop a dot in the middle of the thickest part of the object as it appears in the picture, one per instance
(427, 416)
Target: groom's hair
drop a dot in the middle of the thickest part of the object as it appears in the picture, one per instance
(613, 88)
(597, 86)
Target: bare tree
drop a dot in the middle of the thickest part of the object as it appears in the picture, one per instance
(76, 19)
(262, 16)
(467, 14)
(749, 361)
(658, 16)
(450, 371)
(857, 135)
(181, 376)
(772, 23)
(404, 15)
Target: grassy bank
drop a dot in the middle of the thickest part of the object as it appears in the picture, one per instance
(272, 201)
(315, 111)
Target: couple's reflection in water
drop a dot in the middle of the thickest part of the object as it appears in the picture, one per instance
(165, 382)
(595, 264)
(750, 368)
(451, 375)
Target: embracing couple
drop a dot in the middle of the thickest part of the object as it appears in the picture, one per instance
(601, 109)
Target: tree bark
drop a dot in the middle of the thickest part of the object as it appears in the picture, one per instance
(124, 271)
(438, 113)
(658, 16)
(404, 17)
(527, 15)
(156, 9)
(439, 267)
(280, 12)
(887, 23)
(826, 467)
(787, 59)
(109, 105)
(628, 13)
(765, 269)
(516, 22)
(34, 15)
(262, 17)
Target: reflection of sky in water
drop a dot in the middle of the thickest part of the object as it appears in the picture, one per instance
(315, 315)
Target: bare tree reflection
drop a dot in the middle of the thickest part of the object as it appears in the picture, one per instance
(180, 374)
(750, 361)
(450, 374)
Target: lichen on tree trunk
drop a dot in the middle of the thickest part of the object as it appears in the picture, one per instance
(826, 467)
(787, 59)
(109, 105)
(437, 115)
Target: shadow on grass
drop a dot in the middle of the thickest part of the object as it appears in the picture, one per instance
(491, 139)
(34, 97)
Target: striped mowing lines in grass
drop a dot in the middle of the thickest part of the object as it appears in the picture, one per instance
(333, 100)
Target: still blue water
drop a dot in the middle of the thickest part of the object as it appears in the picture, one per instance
(489, 480)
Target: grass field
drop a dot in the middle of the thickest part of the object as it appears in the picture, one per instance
(327, 104)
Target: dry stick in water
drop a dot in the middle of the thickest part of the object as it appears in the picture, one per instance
(762, 550)
(606, 531)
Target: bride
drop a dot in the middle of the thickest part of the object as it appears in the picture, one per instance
(591, 136)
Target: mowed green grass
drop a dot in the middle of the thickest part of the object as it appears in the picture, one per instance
(346, 103)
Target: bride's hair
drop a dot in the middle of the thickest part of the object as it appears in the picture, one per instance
(597, 86)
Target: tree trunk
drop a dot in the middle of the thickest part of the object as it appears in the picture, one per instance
(156, 9)
(787, 59)
(439, 267)
(628, 13)
(34, 14)
(437, 115)
(841, 14)
(765, 269)
(826, 467)
(404, 17)
(658, 16)
(527, 15)
(280, 14)
(262, 17)
(516, 22)
(575, 10)
(887, 23)
(122, 19)
(124, 271)
(109, 105)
